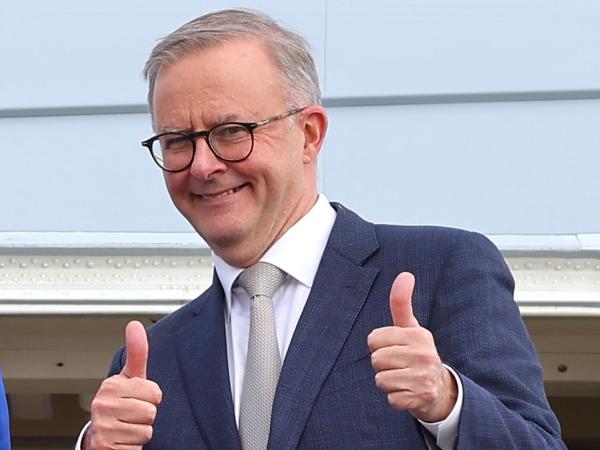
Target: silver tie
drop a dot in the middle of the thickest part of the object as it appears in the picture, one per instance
(263, 361)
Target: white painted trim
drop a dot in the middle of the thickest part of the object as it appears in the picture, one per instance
(156, 273)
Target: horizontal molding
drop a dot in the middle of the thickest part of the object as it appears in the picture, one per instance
(332, 102)
(56, 111)
(156, 273)
(483, 97)
(21, 240)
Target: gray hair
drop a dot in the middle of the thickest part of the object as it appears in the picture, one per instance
(288, 50)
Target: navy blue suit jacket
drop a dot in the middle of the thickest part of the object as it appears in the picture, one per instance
(326, 397)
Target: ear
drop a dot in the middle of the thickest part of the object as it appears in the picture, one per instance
(314, 127)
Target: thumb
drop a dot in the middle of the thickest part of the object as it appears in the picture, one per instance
(401, 300)
(136, 343)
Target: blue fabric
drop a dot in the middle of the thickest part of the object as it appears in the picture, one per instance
(4, 423)
(326, 397)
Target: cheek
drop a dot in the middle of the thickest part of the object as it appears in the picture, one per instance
(175, 183)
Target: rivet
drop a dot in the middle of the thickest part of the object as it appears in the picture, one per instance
(537, 281)
(24, 275)
(155, 263)
(88, 280)
(91, 264)
(45, 265)
(119, 265)
(555, 282)
(2, 264)
(34, 261)
(529, 266)
(568, 263)
(77, 261)
(549, 263)
(173, 264)
(51, 280)
(55, 261)
(127, 261)
(109, 261)
(137, 265)
(146, 261)
(69, 280)
(597, 267)
(79, 275)
(66, 265)
(12, 260)
(558, 267)
(23, 265)
(578, 267)
(192, 263)
(546, 277)
(527, 277)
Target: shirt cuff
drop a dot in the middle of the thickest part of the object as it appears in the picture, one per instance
(81, 435)
(446, 430)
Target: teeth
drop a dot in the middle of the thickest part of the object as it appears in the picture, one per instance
(220, 195)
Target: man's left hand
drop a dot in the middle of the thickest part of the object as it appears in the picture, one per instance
(407, 363)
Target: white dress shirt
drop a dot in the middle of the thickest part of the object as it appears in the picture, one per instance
(298, 253)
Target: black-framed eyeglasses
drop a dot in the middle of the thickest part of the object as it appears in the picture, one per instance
(229, 141)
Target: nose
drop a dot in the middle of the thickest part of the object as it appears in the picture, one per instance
(205, 164)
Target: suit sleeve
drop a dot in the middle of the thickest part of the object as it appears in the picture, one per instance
(479, 332)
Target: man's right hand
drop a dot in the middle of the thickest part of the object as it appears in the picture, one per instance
(124, 407)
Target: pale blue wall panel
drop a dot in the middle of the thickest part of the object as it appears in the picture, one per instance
(68, 53)
(519, 167)
(390, 48)
(86, 173)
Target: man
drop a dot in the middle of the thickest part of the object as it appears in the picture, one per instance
(370, 360)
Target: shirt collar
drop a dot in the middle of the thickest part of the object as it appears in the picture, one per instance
(291, 253)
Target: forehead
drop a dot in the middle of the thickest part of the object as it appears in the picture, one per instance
(233, 78)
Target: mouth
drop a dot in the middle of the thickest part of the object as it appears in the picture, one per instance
(222, 194)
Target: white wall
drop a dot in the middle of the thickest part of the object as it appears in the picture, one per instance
(479, 115)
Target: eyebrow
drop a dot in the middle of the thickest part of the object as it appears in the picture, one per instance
(231, 117)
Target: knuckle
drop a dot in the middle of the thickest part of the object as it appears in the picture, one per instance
(379, 379)
(151, 412)
(147, 433)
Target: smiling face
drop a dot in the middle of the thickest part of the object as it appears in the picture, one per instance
(241, 208)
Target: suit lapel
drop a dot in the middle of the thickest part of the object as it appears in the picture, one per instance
(202, 355)
(338, 293)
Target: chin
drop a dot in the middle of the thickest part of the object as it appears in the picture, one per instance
(221, 237)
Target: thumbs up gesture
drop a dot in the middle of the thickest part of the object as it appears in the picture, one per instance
(124, 407)
(407, 363)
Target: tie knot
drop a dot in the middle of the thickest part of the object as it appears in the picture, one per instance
(261, 279)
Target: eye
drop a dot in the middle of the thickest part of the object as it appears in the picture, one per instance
(174, 141)
(229, 132)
